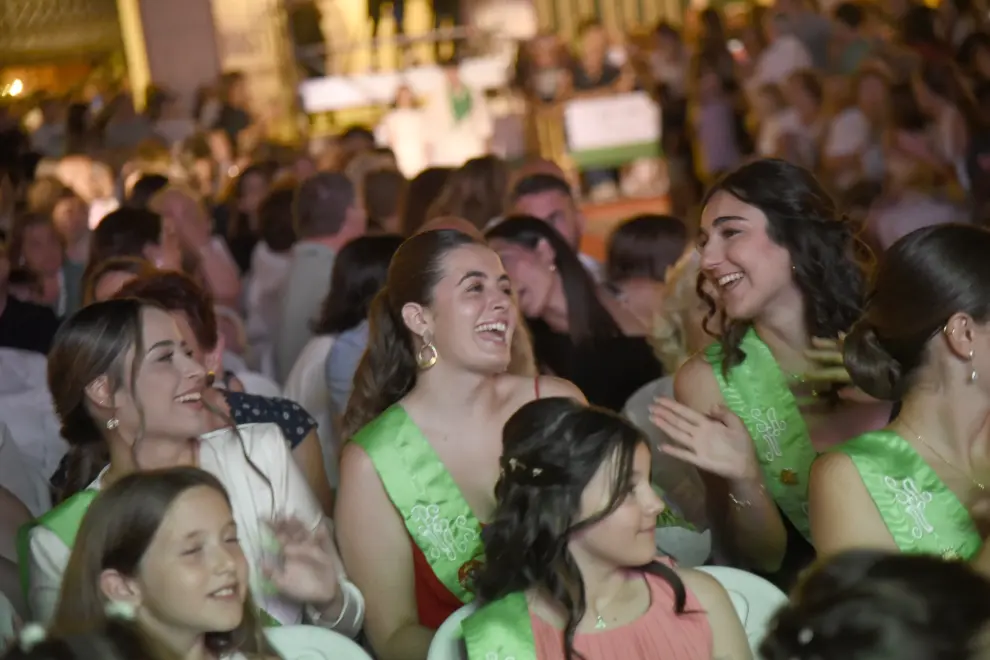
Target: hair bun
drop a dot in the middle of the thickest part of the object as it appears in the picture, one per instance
(871, 366)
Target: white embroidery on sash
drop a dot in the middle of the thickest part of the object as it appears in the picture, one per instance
(442, 536)
(771, 429)
(914, 501)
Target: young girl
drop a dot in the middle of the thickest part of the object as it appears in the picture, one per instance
(125, 387)
(161, 548)
(570, 567)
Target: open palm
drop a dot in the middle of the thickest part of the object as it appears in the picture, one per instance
(306, 571)
(718, 443)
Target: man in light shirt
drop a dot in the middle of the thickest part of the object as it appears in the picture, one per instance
(327, 216)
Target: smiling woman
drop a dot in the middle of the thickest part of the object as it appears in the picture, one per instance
(783, 262)
(430, 398)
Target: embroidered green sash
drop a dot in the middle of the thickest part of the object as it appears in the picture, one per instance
(757, 391)
(920, 511)
(64, 521)
(501, 630)
(435, 512)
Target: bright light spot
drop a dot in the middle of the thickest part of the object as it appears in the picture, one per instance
(16, 87)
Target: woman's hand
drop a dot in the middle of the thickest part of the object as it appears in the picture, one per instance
(830, 370)
(718, 443)
(306, 571)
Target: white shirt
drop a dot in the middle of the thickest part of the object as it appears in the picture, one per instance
(452, 143)
(263, 482)
(404, 132)
(786, 55)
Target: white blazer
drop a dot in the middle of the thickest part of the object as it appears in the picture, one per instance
(452, 143)
(264, 483)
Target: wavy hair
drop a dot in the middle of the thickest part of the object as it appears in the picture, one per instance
(829, 261)
(387, 370)
(552, 448)
(865, 605)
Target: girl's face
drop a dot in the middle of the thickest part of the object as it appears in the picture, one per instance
(71, 216)
(473, 314)
(192, 579)
(42, 251)
(532, 273)
(169, 385)
(627, 536)
(748, 270)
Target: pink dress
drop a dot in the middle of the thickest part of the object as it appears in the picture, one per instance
(659, 633)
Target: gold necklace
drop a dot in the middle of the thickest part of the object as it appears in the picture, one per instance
(942, 458)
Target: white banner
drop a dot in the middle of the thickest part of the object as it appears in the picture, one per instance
(612, 122)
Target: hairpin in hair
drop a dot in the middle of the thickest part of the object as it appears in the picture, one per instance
(118, 609)
(515, 464)
(30, 636)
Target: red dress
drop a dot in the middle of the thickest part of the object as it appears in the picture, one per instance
(434, 602)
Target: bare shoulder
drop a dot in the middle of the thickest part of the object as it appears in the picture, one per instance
(704, 587)
(523, 388)
(834, 467)
(354, 461)
(695, 385)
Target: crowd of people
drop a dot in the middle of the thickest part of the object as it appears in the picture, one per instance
(245, 388)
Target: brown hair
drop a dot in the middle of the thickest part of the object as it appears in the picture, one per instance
(383, 193)
(133, 265)
(475, 192)
(322, 202)
(116, 533)
(15, 246)
(177, 292)
(387, 370)
(91, 343)
(275, 219)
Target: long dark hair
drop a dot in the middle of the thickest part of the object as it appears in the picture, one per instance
(91, 343)
(115, 534)
(587, 318)
(866, 604)
(552, 448)
(115, 640)
(387, 370)
(923, 279)
(828, 259)
(359, 273)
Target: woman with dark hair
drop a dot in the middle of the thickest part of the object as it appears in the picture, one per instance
(570, 559)
(431, 395)
(866, 605)
(423, 190)
(237, 219)
(140, 233)
(359, 273)
(924, 340)
(131, 559)
(128, 393)
(475, 191)
(579, 332)
(782, 261)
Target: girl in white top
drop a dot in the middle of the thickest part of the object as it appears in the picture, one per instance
(124, 386)
(403, 131)
(161, 549)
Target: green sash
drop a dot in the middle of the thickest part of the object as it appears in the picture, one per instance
(757, 391)
(435, 512)
(501, 630)
(920, 511)
(64, 521)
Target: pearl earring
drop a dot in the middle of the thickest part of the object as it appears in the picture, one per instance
(972, 374)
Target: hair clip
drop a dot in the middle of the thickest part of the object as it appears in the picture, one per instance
(805, 635)
(30, 636)
(516, 464)
(118, 609)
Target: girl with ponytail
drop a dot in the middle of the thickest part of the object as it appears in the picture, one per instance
(130, 397)
(924, 339)
(430, 398)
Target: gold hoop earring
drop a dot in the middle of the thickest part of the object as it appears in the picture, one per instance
(427, 356)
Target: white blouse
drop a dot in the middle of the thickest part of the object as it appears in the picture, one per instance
(264, 483)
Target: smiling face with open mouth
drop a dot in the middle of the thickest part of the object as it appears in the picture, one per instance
(748, 270)
(473, 313)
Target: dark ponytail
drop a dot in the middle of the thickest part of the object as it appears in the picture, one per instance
(871, 367)
(387, 370)
(88, 452)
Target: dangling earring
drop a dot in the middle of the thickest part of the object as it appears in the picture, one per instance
(972, 374)
(427, 355)
(112, 423)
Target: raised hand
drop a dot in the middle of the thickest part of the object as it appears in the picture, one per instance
(718, 443)
(830, 369)
(306, 570)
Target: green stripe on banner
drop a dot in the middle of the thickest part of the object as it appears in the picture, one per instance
(614, 156)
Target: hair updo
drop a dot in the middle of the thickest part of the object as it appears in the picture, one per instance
(866, 605)
(923, 279)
